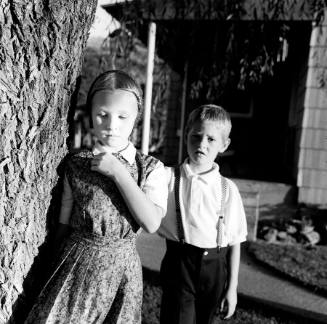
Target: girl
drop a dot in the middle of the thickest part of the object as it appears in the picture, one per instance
(109, 193)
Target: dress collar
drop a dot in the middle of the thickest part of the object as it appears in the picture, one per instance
(127, 153)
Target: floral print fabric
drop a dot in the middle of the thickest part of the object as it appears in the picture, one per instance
(98, 277)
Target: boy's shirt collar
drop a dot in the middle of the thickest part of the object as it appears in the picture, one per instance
(205, 177)
(128, 153)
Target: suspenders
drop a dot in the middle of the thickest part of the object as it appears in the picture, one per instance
(180, 230)
(222, 211)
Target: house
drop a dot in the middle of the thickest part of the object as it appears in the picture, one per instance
(279, 126)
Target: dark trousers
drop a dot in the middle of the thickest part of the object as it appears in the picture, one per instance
(193, 281)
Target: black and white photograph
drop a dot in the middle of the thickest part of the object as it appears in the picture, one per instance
(163, 161)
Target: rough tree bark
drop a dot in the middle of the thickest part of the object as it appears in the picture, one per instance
(41, 46)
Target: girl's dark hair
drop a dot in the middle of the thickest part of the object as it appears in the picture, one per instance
(114, 80)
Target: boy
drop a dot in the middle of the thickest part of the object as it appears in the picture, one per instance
(204, 226)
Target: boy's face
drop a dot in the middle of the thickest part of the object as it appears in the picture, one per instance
(113, 116)
(205, 139)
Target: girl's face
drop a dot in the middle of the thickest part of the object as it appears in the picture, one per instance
(113, 115)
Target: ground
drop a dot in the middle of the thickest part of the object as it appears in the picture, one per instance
(244, 315)
(304, 264)
(151, 310)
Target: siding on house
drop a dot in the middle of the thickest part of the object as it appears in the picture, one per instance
(312, 162)
(298, 93)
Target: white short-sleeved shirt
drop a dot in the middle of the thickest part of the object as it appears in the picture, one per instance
(155, 187)
(200, 205)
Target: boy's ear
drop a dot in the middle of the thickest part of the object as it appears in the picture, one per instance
(226, 144)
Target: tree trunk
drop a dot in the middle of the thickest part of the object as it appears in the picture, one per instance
(41, 47)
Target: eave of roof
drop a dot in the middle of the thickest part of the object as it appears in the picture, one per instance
(157, 10)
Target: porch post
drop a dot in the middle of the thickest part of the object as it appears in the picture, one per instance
(181, 127)
(148, 88)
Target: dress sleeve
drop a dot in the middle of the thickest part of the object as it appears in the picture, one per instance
(236, 219)
(156, 187)
(66, 202)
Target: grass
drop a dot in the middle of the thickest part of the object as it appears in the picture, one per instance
(151, 309)
(305, 264)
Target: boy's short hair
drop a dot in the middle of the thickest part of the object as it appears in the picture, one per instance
(213, 113)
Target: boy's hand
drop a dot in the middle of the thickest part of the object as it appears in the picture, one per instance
(228, 303)
(107, 164)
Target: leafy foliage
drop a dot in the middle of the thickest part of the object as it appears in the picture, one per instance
(241, 54)
(244, 42)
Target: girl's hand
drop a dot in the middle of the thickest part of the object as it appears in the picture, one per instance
(228, 304)
(107, 164)
(145, 212)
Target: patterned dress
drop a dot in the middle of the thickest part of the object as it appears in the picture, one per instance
(98, 278)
